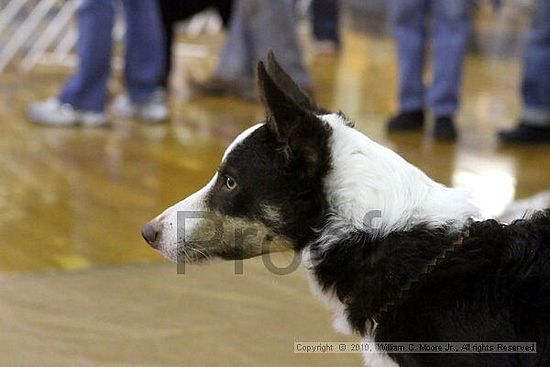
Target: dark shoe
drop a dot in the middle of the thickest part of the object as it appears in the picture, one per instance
(444, 128)
(218, 87)
(524, 133)
(407, 121)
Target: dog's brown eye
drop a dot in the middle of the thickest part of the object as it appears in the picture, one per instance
(230, 183)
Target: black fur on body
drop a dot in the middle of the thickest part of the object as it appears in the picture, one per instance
(494, 288)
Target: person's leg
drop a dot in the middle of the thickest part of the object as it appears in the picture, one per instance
(87, 89)
(255, 27)
(326, 21)
(235, 61)
(534, 125)
(144, 70)
(273, 25)
(536, 68)
(409, 19)
(144, 49)
(451, 27)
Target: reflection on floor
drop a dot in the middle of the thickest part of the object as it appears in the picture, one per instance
(73, 200)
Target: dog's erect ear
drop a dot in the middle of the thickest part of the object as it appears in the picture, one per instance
(300, 132)
(282, 111)
(285, 82)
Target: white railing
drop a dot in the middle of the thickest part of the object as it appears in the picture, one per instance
(43, 32)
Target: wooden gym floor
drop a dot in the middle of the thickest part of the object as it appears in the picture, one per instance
(79, 287)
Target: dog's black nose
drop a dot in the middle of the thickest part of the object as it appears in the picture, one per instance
(150, 233)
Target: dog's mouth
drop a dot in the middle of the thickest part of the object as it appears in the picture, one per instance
(190, 254)
(185, 251)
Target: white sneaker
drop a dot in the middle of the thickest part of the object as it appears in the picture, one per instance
(54, 113)
(155, 109)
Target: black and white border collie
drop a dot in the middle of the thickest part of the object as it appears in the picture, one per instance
(397, 256)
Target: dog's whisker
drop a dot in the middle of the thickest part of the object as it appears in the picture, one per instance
(201, 253)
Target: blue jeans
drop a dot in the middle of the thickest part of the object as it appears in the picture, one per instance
(144, 63)
(254, 28)
(450, 27)
(536, 68)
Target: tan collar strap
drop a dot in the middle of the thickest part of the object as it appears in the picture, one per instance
(429, 268)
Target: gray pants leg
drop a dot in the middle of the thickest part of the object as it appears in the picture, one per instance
(255, 27)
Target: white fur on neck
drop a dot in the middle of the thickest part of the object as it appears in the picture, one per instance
(369, 178)
(365, 178)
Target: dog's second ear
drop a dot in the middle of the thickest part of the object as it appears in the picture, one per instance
(289, 86)
(300, 132)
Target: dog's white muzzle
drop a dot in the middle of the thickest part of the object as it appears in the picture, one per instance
(181, 224)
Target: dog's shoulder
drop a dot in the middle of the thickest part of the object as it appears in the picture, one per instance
(524, 242)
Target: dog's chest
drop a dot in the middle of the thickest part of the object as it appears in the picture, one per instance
(340, 320)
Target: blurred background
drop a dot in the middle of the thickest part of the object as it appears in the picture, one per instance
(81, 172)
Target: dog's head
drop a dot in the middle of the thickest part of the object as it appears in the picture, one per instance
(267, 193)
